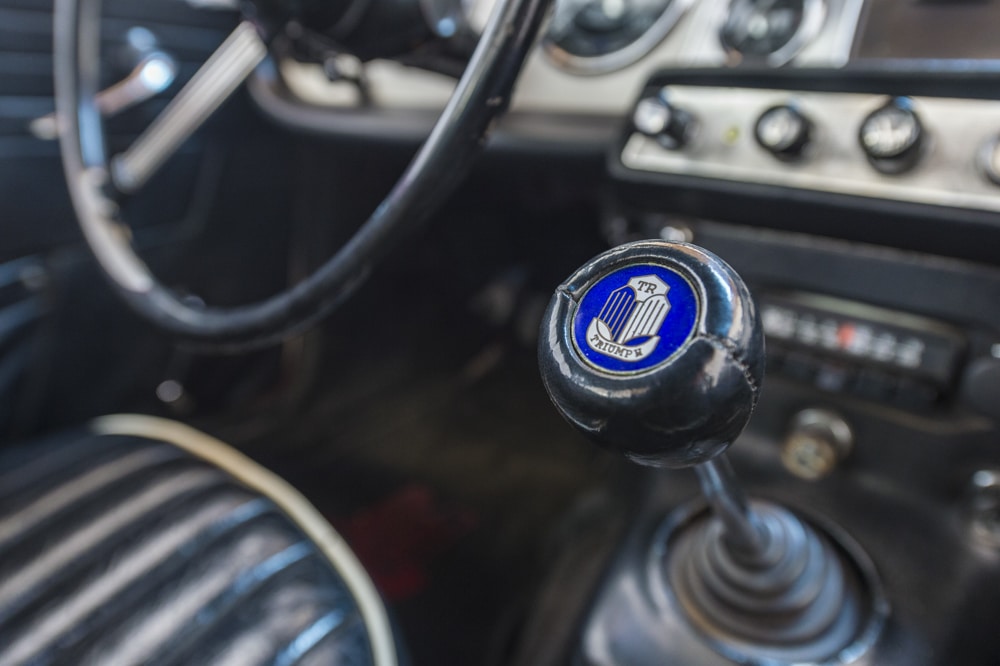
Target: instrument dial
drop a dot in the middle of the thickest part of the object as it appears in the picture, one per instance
(771, 30)
(597, 36)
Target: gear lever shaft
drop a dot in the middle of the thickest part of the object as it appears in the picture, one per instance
(744, 531)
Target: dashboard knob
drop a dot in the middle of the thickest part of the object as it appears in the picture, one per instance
(654, 350)
(892, 136)
(783, 131)
(656, 117)
(989, 160)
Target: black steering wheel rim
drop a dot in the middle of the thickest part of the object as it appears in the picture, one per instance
(481, 95)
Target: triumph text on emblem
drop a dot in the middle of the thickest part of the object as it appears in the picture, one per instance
(632, 313)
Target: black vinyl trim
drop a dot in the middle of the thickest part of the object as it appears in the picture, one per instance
(177, 541)
(216, 538)
(927, 78)
(242, 592)
(34, 467)
(31, 521)
(309, 638)
(19, 611)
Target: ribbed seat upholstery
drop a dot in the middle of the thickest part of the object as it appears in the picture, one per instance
(120, 549)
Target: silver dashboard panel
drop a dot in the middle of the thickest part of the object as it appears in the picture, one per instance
(948, 173)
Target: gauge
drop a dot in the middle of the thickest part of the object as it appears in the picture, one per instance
(771, 30)
(597, 36)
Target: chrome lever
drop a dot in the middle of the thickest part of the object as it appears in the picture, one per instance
(153, 74)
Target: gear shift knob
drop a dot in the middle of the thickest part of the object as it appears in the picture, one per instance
(654, 349)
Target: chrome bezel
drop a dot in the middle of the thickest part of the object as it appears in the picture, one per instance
(623, 57)
(813, 17)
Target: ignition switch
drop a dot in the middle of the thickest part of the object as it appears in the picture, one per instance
(818, 440)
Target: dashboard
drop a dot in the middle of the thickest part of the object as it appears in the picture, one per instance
(585, 69)
(858, 103)
(590, 63)
(893, 101)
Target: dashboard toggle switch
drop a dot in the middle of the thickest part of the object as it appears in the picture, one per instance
(783, 131)
(892, 136)
(656, 117)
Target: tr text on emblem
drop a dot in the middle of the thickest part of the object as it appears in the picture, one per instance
(632, 312)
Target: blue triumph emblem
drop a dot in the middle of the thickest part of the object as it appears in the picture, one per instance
(635, 318)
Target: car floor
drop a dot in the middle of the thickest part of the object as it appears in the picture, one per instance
(431, 446)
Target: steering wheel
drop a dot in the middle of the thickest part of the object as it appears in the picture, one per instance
(481, 95)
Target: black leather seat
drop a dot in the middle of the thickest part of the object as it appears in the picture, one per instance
(139, 540)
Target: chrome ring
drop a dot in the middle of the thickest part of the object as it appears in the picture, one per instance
(813, 17)
(623, 57)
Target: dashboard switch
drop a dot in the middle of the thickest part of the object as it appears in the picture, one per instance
(892, 136)
(783, 131)
(655, 117)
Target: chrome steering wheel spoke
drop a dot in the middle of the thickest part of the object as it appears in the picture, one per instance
(211, 85)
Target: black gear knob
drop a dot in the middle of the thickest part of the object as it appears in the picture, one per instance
(655, 350)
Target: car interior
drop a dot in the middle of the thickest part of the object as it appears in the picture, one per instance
(500, 332)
